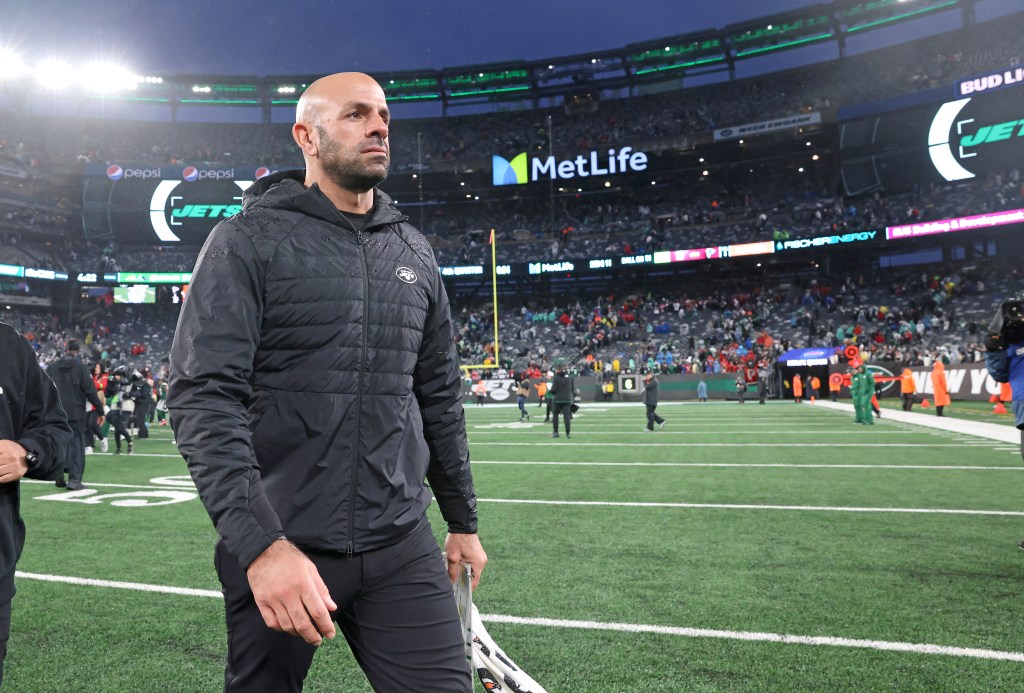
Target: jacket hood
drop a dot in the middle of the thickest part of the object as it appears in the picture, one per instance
(285, 190)
(65, 364)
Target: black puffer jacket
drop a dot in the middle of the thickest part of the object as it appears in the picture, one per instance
(314, 381)
(31, 415)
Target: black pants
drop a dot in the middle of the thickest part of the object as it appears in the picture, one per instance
(908, 401)
(396, 610)
(563, 409)
(653, 418)
(92, 428)
(74, 463)
(118, 420)
(5, 633)
(139, 418)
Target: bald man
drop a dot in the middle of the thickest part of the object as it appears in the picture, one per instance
(314, 386)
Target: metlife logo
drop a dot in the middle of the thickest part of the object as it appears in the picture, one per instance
(521, 169)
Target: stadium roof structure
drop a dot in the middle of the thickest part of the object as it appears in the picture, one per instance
(574, 78)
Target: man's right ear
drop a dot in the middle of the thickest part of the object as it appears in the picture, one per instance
(305, 138)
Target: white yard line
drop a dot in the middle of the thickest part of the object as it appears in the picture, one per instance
(517, 428)
(740, 506)
(783, 638)
(748, 636)
(90, 484)
(576, 442)
(751, 465)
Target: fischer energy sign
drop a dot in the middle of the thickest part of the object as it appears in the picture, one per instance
(521, 169)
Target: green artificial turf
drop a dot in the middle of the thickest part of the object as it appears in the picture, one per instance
(630, 534)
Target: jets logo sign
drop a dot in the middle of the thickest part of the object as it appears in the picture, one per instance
(406, 275)
(174, 204)
(964, 134)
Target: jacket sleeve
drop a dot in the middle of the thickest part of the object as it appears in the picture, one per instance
(210, 384)
(998, 365)
(437, 384)
(44, 425)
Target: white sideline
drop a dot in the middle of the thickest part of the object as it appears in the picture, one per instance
(980, 429)
(783, 638)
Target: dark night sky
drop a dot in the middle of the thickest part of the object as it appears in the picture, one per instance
(268, 38)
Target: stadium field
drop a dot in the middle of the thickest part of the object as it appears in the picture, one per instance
(741, 548)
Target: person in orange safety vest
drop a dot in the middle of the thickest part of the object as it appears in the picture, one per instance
(939, 387)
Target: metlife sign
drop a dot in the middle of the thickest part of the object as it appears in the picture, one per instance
(521, 169)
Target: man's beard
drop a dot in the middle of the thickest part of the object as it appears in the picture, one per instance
(345, 170)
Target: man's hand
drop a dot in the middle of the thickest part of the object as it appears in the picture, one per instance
(464, 548)
(290, 594)
(994, 342)
(13, 464)
(100, 419)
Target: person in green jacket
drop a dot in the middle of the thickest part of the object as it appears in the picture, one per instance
(862, 387)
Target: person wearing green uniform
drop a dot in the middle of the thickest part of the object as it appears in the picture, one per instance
(161, 403)
(862, 387)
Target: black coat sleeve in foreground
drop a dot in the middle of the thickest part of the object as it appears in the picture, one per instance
(437, 384)
(209, 387)
(44, 425)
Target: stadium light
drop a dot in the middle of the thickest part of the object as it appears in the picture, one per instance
(107, 77)
(54, 74)
(11, 65)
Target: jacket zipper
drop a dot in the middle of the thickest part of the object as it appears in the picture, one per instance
(359, 392)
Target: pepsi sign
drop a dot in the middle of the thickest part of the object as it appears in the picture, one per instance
(115, 172)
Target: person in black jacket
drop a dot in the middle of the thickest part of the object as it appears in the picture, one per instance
(75, 386)
(563, 390)
(34, 433)
(119, 407)
(651, 401)
(314, 384)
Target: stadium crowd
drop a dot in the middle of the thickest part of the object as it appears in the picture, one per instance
(876, 74)
(912, 318)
